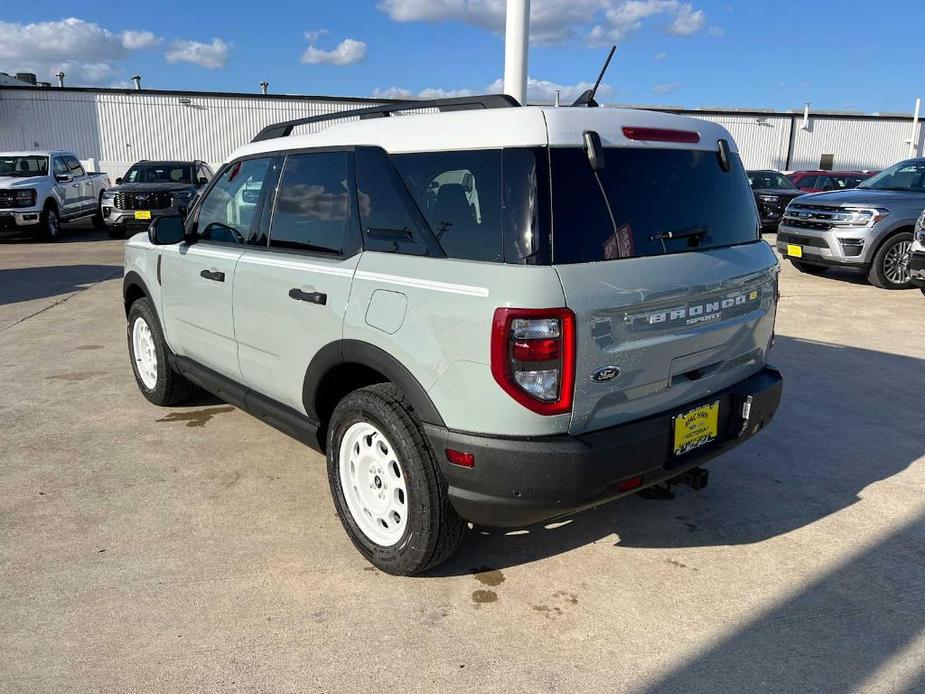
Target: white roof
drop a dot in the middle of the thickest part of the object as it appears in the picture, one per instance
(530, 126)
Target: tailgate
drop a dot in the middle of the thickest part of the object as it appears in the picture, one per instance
(678, 327)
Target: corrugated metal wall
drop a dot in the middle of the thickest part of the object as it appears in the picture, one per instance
(112, 129)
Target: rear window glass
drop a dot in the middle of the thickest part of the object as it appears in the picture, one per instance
(651, 192)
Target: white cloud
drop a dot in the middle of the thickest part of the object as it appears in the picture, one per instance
(347, 52)
(555, 21)
(538, 91)
(138, 40)
(660, 56)
(687, 21)
(313, 36)
(716, 31)
(208, 55)
(86, 52)
(666, 88)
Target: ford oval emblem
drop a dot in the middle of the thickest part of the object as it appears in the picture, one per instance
(606, 374)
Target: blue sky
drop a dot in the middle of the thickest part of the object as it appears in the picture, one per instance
(851, 54)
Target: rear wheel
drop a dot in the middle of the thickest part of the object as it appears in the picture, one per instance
(97, 219)
(387, 487)
(809, 268)
(890, 267)
(157, 381)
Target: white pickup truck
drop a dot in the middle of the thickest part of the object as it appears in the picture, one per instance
(41, 190)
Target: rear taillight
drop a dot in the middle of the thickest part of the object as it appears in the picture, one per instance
(533, 357)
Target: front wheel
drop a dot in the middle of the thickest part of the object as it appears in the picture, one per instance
(50, 222)
(387, 487)
(809, 268)
(890, 267)
(156, 379)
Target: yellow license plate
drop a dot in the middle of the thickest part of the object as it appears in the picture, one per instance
(794, 251)
(143, 214)
(695, 428)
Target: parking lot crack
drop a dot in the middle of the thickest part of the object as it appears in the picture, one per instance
(58, 302)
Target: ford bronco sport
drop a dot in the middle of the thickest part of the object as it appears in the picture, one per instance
(493, 313)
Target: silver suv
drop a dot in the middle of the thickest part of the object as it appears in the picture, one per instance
(868, 228)
(492, 313)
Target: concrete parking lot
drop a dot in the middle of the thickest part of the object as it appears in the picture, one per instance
(196, 549)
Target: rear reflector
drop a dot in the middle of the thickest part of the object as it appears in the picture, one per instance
(631, 483)
(460, 458)
(661, 135)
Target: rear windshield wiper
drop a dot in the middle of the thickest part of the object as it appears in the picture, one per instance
(690, 232)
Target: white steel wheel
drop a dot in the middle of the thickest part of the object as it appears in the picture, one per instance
(144, 353)
(373, 484)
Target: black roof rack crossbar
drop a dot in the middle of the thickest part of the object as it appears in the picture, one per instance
(462, 103)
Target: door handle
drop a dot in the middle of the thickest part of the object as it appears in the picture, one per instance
(310, 297)
(214, 276)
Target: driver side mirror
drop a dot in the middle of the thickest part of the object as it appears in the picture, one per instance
(203, 180)
(63, 178)
(166, 231)
(119, 181)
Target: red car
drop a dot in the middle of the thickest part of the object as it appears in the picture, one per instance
(821, 181)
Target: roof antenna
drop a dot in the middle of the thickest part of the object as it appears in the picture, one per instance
(587, 98)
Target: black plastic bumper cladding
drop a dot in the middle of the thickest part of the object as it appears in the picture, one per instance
(516, 482)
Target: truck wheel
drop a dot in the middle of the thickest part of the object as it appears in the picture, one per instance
(890, 267)
(50, 223)
(97, 218)
(387, 487)
(157, 381)
(809, 268)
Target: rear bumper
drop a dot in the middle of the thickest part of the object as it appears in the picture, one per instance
(516, 482)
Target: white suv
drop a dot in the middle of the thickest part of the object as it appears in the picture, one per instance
(493, 313)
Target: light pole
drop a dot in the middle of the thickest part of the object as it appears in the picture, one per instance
(516, 43)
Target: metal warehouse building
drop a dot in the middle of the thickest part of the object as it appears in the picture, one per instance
(112, 128)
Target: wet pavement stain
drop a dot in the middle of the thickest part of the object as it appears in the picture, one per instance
(480, 597)
(74, 376)
(197, 418)
(571, 598)
(89, 347)
(547, 611)
(487, 576)
(680, 565)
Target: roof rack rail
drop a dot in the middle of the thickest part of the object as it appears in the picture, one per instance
(463, 103)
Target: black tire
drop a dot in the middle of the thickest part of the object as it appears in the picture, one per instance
(170, 388)
(433, 529)
(50, 223)
(922, 289)
(809, 268)
(115, 232)
(883, 271)
(97, 218)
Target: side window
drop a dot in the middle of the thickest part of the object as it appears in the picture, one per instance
(389, 218)
(807, 182)
(74, 166)
(228, 212)
(825, 183)
(313, 205)
(60, 167)
(460, 195)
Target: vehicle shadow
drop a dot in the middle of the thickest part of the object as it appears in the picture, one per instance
(78, 232)
(833, 635)
(847, 419)
(26, 284)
